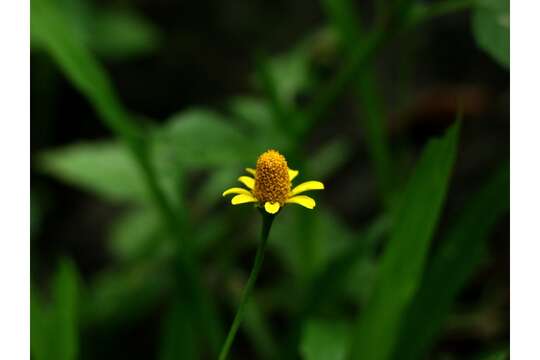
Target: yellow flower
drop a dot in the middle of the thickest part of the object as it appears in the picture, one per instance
(271, 185)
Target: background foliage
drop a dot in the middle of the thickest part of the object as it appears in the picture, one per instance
(143, 112)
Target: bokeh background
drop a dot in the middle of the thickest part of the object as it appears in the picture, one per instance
(143, 112)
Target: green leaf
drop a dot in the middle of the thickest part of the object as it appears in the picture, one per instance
(217, 182)
(495, 355)
(200, 138)
(65, 298)
(256, 327)
(123, 33)
(351, 266)
(306, 242)
(452, 265)
(177, 339)
(39, 319)
(328, 158)
(290, 74)
(106, 169)
(117, 297)
(402, 263)
(54, 326)
(50, 27)
(491, 27)
(324, 340)
(255, 113)
(137, 234)
(343, 15)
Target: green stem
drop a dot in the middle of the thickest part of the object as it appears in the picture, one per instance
(267, 224)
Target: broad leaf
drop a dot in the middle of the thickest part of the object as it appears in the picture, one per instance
(106, 169)
(200, 138)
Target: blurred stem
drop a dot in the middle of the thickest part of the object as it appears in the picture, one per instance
(358, 59)
(376, 138)
(259, 257)
(342, 16)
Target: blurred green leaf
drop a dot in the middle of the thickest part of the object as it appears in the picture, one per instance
(177, 339)
(452, 265)
(491, 27)
(123, 33)
(256, 116)
(256, 328)
(50, 27)
(344, 17)
(351, 266)
(254, 112)
(55, 334)
(39, 319)
(325, 340)
(281, 111)
(119, 296)
(217, 182)
(113, 32)
(306, 242)
(65, 298)
(402, 263)
(105, 168)
(495, 355)
(290, 74)
(328, 158)
(138, 233)
(201, 138)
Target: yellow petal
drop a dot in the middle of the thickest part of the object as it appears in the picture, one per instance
(303, 200)
(308, 185)
(242, 199)
(271, 208)
(292, 174)
(248, 181)
(251, 171)
(236, 190)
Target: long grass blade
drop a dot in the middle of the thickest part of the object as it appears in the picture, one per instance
(403, 260)
(452, 265)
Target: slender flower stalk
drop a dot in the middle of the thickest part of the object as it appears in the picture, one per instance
(267, 224)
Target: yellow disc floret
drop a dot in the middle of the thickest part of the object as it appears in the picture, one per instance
(272, 183)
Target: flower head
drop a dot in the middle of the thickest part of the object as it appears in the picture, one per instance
(271, 185)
